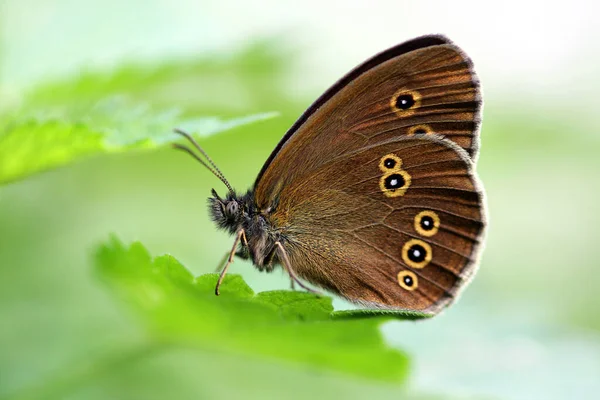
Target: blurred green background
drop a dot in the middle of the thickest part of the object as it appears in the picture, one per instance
(528, 327)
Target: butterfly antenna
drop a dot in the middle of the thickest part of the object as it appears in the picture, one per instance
(212, 167)
(200, 149)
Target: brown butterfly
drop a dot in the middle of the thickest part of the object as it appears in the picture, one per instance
(372, 193)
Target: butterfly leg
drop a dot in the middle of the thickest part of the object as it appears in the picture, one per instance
(285, 261)
(241, 254)
(269, 262)
(241, 235)
(222, 262)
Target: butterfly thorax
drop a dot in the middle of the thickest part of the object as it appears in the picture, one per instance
(237, 213)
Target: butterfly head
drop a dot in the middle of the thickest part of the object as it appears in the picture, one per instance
(229, 212)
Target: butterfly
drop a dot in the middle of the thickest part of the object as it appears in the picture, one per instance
(372, 193)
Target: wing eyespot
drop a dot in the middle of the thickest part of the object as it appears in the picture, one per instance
(408, 280)
(395, 183)
(420, 130)
(390, 162)
(427, 223)
(404, 102)
(416, 253)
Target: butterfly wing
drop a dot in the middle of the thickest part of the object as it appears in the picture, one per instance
(395, 225)
(400, 232)
(426, 85)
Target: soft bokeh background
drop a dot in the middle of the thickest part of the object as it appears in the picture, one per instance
(528, 327)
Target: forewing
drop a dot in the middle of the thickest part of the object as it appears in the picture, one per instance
(424, 86)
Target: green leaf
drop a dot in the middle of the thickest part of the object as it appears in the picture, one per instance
(34, 143)
(285, 325)
(136, 106)
(216, 83)
(361, 314)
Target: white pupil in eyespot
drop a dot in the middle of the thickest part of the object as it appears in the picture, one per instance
(394, 182)
(416, 253)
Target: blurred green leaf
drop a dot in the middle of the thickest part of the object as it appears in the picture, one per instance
(134, 107)
(293, 326)
(245, 81)
(34, 143)
(362, 314)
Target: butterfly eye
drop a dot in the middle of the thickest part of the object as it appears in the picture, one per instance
(408, 280)
(390, 162)
(232, 208)
(404, 102)
(420, 130)
(416, 253)
(427, 223)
